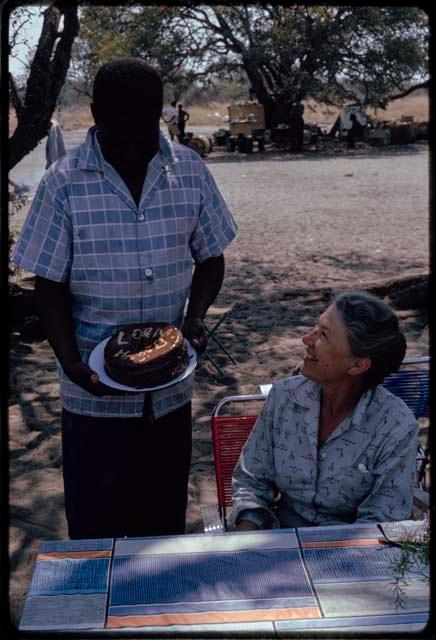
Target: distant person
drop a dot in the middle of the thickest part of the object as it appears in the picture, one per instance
(182, 119)
(332, 445)
(355, 131)
(296, 122)
(55, 147)
(171, 117)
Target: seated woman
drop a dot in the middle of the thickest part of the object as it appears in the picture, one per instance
(332, 446)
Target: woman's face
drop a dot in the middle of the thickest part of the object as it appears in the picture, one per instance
(328, 355)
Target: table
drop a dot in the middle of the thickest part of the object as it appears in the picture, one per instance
(334, 578)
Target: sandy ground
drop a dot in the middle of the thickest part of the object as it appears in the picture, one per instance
(307, 224)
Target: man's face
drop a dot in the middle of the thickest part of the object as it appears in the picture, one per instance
(328, 356)
(129, 137)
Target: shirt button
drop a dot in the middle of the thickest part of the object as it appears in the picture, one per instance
(322, 455)
(141, 217)
(149, 272)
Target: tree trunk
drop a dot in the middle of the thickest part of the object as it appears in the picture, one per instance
(47, 76)
(410, 292)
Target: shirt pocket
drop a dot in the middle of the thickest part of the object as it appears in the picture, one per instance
(355, 482)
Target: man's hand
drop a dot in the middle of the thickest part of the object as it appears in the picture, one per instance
(89, 380)
(206, 282)
(194, 330)
(246, 525)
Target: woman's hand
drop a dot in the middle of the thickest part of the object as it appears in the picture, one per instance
(246, 525)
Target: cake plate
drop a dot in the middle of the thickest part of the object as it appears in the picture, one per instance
(96, 362)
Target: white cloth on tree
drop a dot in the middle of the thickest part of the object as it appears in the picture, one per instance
(55, 147)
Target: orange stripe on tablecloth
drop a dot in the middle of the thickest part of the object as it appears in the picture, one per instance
(362, 542)
(212, 617)
(76, 555)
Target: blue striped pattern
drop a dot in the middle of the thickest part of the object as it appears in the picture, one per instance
(350, 563)
(196, 577)
(399, 622)
(125, 264)
(56, 577)
(326, 533)
(103, 544)
(223, 605)
(413, 387)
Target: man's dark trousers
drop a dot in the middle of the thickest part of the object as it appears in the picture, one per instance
(126, 476)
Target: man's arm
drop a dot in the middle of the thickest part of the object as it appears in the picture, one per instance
(206, 282)
(54, 310)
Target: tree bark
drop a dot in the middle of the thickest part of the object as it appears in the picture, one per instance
(47, 76)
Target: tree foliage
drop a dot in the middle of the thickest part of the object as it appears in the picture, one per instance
(148, 32)
(333, 54)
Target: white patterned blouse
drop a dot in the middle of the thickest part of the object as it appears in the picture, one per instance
(362, 472)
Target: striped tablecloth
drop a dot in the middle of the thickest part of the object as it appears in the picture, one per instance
(268, 582)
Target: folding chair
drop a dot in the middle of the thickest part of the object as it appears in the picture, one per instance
(229, 433)
(222, 313)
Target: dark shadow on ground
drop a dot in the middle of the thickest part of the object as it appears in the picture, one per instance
(274, 154)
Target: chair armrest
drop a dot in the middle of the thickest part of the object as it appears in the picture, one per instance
(421, 499)
(211, 519)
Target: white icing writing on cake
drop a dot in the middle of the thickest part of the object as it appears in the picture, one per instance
(120, 338)
(147, 332)
(159, 344)
(122, 354)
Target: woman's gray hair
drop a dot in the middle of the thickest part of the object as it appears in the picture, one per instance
(373, 332)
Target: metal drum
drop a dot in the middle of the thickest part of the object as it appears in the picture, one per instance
(231, 143)
(201, 144)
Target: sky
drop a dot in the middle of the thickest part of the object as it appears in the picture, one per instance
(31, 32)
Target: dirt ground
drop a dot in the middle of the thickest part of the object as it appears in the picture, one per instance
(308, 224)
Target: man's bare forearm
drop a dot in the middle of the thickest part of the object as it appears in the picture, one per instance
(206, 283)
(54, 310)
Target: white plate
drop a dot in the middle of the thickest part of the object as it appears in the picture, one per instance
(96, 362)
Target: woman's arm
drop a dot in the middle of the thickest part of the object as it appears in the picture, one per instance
(391, 496)
(253, 482)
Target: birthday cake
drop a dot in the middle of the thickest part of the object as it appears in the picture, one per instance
(146, 355)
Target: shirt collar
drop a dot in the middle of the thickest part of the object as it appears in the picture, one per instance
(91, 157)
(307, 392)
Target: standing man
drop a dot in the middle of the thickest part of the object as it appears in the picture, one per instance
(123, 229)
(182, 119)
(296, 121)
(171, 118)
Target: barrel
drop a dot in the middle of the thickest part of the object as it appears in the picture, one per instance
(231, 143)
(245, 144)
(201, 144)
(403, 134)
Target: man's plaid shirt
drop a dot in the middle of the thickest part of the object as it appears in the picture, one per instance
(124, 264)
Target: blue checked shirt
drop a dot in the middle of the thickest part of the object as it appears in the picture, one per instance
(124, 264)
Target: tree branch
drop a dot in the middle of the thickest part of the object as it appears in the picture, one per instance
(47, 76)
(403, 94)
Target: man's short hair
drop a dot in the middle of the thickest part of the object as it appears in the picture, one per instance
(126, 84)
